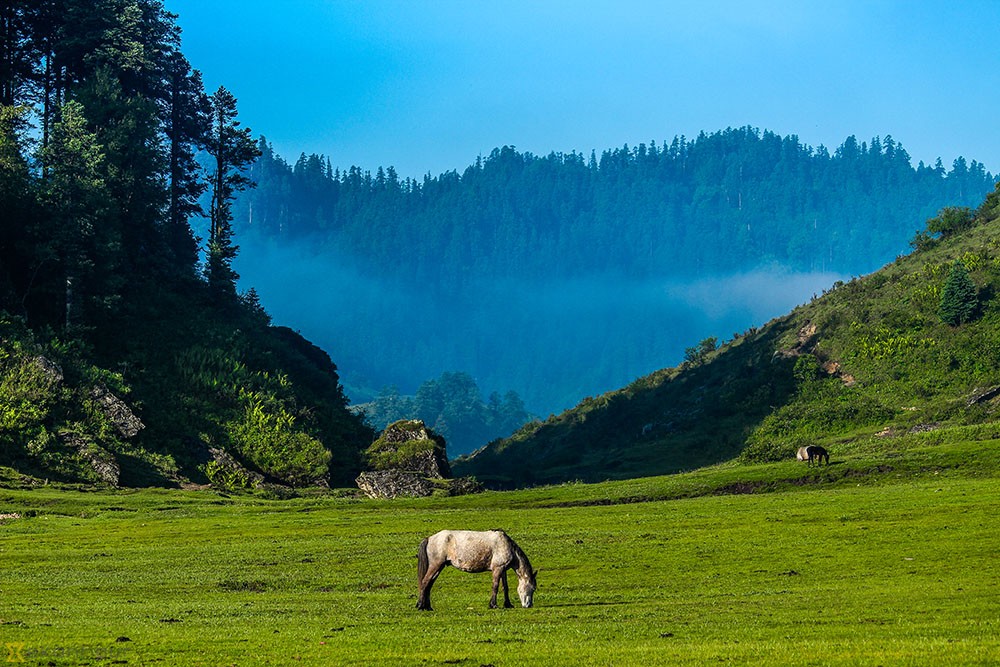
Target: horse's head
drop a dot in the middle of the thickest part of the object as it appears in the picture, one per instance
(526, 589)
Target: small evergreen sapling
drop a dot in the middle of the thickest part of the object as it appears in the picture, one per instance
(959, 297)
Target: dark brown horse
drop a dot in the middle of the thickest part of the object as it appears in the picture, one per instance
(813, 453)
(474, 551)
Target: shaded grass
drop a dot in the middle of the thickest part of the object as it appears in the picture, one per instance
(869, 569)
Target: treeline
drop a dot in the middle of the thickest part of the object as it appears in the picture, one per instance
(101, 120)
(102, 117)
(453, 406)
(723, 202)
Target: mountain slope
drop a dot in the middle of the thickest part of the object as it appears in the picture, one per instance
(547, 272)
(196, 397)
(868, 363)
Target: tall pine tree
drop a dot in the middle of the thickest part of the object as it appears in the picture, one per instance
(233, 150)
(75, 196)
(186, 125)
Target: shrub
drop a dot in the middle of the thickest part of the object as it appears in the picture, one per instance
(951, 220)
(265, 437)
(806, 368)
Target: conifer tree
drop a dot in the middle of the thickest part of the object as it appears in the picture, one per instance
(17, 199)
(186, 125)
(75, 196)
(959, 298)
(233, 151)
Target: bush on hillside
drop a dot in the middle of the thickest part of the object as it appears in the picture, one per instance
(266, 436)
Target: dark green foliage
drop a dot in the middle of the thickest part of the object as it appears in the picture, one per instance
(951, 220)
(922, 241)
(639, 211)
(98, 269)
(959, 298)
(699, 354)
(232, 150)
(453, 406)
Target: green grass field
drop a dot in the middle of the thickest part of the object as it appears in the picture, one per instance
(869, 562)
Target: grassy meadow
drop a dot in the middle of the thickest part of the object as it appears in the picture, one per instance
(870, 561)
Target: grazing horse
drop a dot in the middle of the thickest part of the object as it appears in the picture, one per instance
(813, 452)
(474, 551)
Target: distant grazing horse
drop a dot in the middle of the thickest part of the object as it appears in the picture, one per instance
(811, 453)
(474, 551)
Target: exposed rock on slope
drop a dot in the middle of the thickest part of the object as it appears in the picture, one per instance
(409, 459)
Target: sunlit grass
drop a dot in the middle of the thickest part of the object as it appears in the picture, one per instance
(894, 571)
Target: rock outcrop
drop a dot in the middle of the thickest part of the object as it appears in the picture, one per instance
(103, 462)
(227, 472)
(982, 395)
(49, 369)
(410, 446)
(394, 484)
(410, 460)
(117, 412)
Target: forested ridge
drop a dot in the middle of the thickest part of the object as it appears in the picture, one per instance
(125, 356)
(565, 275)
(722, 202)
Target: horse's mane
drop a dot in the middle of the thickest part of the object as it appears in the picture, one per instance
(522, 558)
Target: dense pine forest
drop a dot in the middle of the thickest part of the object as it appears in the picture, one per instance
(126, 352)
(723, 202)
(568, 275)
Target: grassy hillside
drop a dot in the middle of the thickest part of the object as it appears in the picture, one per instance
(180, 397)
(876, 559)
(864, 365)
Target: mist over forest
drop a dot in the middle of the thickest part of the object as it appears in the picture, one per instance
(565, 276)
(553, 342)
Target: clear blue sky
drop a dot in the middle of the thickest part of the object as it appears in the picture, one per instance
(426, 86)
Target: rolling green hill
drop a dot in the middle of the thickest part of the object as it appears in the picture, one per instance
(868, 365)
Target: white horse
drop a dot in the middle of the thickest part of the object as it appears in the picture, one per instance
(474, 551)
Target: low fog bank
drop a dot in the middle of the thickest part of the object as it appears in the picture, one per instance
(552, 343)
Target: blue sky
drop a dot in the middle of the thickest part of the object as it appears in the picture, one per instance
(427, 86)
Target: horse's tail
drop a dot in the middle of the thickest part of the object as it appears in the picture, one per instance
(422, 561)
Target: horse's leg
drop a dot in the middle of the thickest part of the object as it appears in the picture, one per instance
(506, 594)
(497, 574)
(424, 596)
